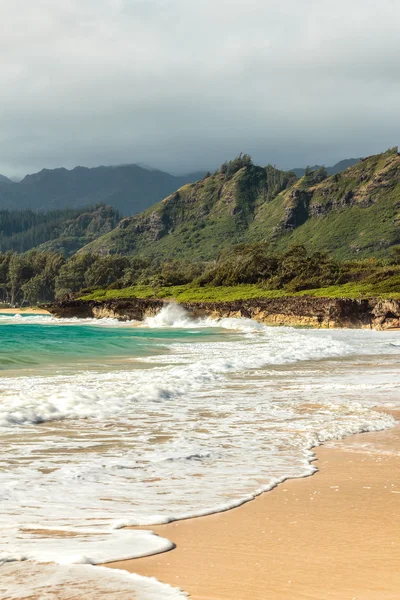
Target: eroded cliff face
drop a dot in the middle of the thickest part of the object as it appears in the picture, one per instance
(294, 311)
(123, 310)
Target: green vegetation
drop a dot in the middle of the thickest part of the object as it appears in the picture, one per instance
(200, 219)
(252, 271)
(57, 230)
(352, 214)
(244, 232)
(28, 278)
(189, 293)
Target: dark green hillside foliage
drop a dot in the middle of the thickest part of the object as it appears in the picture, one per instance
(355, 213)
(256, 270)
(42, 276)
(28, 277)
(244, 225)
(60, 230)
(293, 270)
(201, 218)
(352, 214)
(314, 176)
(88, 271)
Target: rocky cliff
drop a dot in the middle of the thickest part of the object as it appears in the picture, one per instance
(293, 311)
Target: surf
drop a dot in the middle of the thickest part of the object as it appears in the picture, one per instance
(168, 419)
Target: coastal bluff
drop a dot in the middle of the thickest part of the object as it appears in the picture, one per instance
(304, 311)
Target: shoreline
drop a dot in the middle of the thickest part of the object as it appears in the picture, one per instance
(24, 311)
(342, 520)
(237, 559)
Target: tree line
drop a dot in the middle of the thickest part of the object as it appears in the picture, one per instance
(38, 276)
(22, 230)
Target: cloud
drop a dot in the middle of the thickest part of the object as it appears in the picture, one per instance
(182, 84)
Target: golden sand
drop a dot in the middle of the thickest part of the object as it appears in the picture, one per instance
(333, 536)
(24, 311)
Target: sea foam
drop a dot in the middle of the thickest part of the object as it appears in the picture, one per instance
(196, 427)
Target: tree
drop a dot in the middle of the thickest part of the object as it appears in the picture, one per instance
(395, 258)
(105, 270)
(20, 271)
(37, 289)
(71, 277)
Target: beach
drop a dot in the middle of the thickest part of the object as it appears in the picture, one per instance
(128, 430)
(334, 535)
(24, 311)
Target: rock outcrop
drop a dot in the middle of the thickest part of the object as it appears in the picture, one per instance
(292, 311)
(135, 309)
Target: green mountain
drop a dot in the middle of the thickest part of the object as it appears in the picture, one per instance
(337, 168)
(355, 213)
(127, 188)
(60, 230)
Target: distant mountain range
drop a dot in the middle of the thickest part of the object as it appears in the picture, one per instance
(130, 189)
(351, 213)
(127, 188)
(4, 179)
(338, 168)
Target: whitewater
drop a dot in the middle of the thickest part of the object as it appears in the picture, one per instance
(106, 426)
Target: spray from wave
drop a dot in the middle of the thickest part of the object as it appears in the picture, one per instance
(174, 316)
(171, 315)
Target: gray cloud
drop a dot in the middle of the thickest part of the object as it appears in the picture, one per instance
(181, 84)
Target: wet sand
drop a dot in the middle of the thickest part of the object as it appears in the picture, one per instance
(24, 311)
(333, 536)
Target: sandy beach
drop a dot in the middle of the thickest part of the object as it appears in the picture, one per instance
(335, 535)
(24, 311)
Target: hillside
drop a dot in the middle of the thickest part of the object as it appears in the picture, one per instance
(127, 188)
(355, 213)
(60, 230)
(337, 168)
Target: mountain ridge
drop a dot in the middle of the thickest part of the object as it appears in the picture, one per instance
(6, 180)
(127, 188)
(352, 213)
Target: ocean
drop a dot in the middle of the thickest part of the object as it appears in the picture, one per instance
(107, 425)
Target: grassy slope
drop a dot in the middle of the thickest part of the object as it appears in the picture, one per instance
(387, 288)
(200, 219)
(353, 214)
(366, 227)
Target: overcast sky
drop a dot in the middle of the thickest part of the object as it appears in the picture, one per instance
(184, 84)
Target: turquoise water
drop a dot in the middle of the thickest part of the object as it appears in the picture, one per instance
(105, 425)
(25, 343)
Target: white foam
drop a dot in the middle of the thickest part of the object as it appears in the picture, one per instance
(88, 583)
(44, 319)
(90, 546)
(201, 428)
(171, 315)
(87, 394)
(175, 316)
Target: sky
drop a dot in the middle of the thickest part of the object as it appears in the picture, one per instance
(184, 85)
